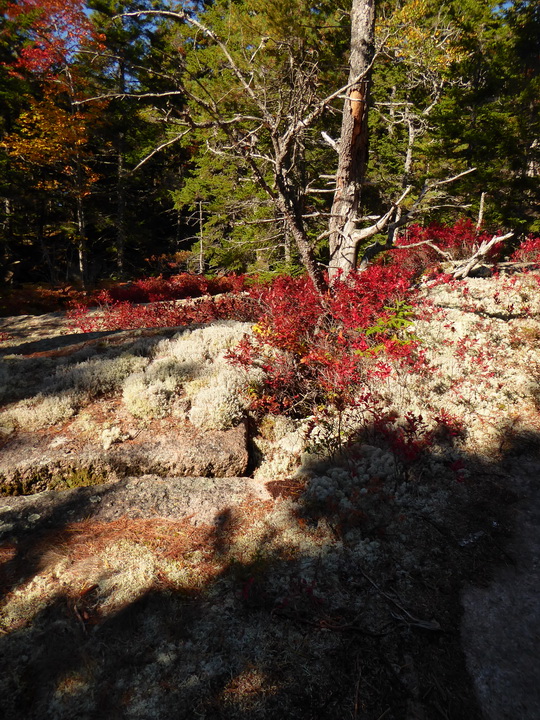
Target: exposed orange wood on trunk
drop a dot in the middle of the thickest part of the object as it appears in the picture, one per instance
(357, 104)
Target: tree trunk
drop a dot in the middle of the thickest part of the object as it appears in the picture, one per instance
(201, 240)
(120, 206)
(7, 263)
(81, 222)
(81, 240)
(121, 181)
(53, 274)
(302, 242)
(287, 246)
(353, 146)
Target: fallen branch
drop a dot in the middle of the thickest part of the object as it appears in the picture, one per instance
(404, 615)
(463, 270)
(430, 244)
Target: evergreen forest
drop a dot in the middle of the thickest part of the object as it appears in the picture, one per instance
(138, 138)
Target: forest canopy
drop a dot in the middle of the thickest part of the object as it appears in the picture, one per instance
(149, 136)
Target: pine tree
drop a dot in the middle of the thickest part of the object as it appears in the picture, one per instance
(131, 59)
(490, 120)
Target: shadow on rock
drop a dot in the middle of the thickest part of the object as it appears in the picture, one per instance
(338, 598)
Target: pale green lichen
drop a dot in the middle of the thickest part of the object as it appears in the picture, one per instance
(148, 399)
(42, 411)
(98, 376)
(193, 364)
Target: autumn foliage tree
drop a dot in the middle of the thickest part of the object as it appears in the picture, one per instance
(129, 126)
(49, 142)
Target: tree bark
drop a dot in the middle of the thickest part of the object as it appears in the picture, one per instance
(353, 146)
(301, 240)
(120, 206)
(81, 240)
(121, 180)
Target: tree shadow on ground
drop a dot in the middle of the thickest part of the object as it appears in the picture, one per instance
(307, 607)
(56, 343)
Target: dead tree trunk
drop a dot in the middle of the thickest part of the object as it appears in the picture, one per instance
(353, 146)
(294, 226)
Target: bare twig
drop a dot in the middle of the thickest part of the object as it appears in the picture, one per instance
(124, 95)
(452, 179)
(406, 617)
(430, 244)
(159, 148)
(480, 211)
(333, 143)
(382, 222)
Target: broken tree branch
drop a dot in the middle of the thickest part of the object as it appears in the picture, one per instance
(463, 270)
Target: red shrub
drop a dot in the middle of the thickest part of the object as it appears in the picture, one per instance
(410, 436)
(456, 242)
(528, 251)
(362, 298)
(313, 349)
(128, 316)
(322, 346)
(177, 287)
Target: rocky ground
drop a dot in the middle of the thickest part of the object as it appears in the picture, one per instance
(163, 557)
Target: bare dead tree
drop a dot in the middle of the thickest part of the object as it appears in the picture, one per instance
(465, 268)
(353, 144)
(269, 129)
(284, 119)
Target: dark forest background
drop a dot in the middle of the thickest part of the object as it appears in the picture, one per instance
(109, 168)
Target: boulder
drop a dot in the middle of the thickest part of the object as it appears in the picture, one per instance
(200, 500)
(34, 462)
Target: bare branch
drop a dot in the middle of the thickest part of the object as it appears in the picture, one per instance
(452, 179)
(323, 235)
(309, 119)
(182, 15)
(382, 222)
(368, 218)
(480, 212)
(482, 251)
(429, 243)
(124, 95)
(161, 147)
(333, 143)
(359, 235)
(260, 222)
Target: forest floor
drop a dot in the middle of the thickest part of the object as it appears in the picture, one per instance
(354, 586)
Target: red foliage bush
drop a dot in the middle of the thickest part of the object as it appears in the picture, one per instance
(177, 287)
(317, 349)
(410, 436)
(528, 251)
(457, 241)
(128, 316)
(36, 299)
(312, 348)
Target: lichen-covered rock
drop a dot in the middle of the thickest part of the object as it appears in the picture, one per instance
(30, 463)
(200, 499)
(186, 451)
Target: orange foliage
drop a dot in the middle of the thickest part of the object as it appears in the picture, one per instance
(51, 143)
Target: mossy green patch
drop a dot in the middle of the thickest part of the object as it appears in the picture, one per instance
(50, 478)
